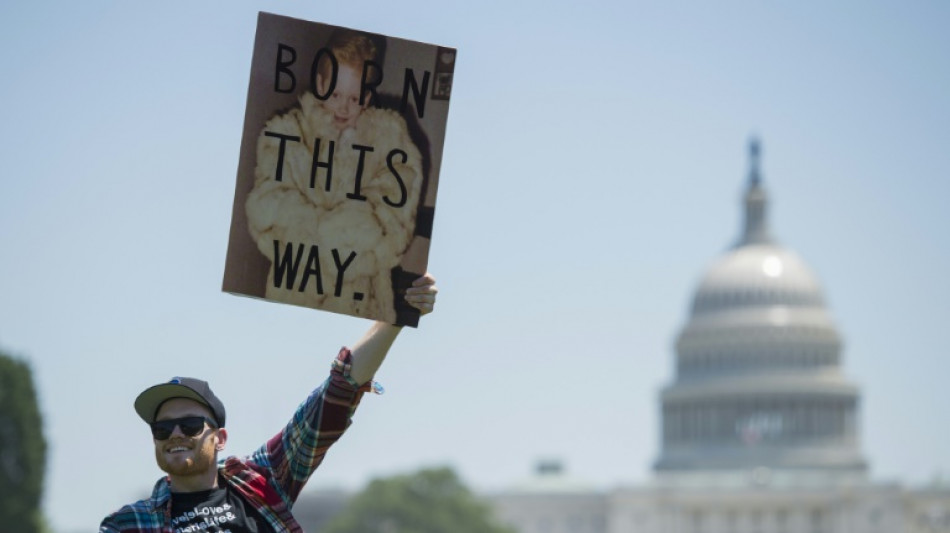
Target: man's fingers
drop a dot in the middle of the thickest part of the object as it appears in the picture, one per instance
(423, 301)
(425, 289)
(426, 279)
(421, 294)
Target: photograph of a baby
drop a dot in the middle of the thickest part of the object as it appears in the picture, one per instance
(343, 180)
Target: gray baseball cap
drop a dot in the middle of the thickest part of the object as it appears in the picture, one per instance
(148, 402)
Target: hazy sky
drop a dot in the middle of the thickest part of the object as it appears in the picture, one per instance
(594, 162)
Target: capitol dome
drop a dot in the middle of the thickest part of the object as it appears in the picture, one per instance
(758, 380)
(760, 274)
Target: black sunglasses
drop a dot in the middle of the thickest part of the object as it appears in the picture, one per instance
(189, 425)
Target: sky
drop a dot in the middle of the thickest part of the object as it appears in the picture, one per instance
(594, 162)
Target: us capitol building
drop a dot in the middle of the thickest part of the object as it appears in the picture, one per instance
(759, 426)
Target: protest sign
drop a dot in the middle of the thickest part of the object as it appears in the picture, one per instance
(338, 169)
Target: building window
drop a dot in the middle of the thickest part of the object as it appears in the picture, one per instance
(732, 521)
(575, 524)
(757, 522)
(817, 521)
(697, 520)
(781, 521)
(545, 526)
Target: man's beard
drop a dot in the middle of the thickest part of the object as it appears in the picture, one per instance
(202, 458)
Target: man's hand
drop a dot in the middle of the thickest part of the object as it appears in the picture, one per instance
(421, 294)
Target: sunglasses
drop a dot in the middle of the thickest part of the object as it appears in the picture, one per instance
(189, 425)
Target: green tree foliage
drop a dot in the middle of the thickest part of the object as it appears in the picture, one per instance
(22, 449)
(429, 501)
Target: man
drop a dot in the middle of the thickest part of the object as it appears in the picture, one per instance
(253, 494)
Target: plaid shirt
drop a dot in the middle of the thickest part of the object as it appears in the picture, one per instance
(271, 478)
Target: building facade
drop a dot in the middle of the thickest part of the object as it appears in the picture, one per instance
(760, 426)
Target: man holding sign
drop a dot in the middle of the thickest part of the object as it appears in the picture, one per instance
(333, 209)
(256, 493)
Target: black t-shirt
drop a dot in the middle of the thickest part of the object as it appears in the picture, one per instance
(218, 510)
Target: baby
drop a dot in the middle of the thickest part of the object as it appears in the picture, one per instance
(341, 174)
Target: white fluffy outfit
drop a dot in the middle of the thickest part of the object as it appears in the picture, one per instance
(291, 211)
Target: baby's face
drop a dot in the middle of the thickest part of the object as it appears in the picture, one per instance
(344, 103)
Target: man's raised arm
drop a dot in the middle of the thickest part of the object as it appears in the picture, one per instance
(369, 352)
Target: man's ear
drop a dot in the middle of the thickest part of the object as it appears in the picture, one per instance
(222, 437)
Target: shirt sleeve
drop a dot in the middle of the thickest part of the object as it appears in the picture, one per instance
(296, 452)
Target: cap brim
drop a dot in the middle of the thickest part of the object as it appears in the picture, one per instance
(148, 402)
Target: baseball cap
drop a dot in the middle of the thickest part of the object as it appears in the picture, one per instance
(148, 402)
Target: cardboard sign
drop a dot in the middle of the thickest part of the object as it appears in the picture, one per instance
(339, 167)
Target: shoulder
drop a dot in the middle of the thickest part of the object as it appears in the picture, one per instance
(143, 515)
(136, 516)
(248, 468)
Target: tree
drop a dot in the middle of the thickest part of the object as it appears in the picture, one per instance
(428, 501)
(22, 449)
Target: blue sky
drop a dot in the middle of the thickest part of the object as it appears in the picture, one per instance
(593, 168)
